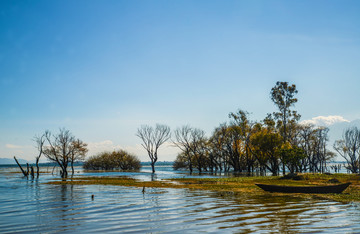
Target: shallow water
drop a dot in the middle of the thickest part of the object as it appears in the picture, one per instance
(32, 206)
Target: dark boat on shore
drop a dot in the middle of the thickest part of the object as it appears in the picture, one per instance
(304, 189)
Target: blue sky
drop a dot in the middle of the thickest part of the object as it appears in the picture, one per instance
(103, 68)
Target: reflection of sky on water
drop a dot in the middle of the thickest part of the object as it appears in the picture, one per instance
(32, 206)
(162, 172)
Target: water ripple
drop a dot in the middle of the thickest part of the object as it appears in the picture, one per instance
(31, 206)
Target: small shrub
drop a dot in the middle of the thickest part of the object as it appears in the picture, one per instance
(120, 159)
(180, 162)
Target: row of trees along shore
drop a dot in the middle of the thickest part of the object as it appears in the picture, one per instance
(278, 143)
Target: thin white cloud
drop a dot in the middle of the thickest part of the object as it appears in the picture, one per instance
(325, 120)
(98, 147)
(11, 146)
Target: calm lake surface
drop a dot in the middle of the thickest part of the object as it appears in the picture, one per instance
(30, 206)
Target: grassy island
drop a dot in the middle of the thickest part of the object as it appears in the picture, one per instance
(235, 186)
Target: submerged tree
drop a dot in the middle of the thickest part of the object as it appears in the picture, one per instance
(192, 142)
(63, 149)
(40, 140)
(217, 157)
(243, 128)
(183, 140)
(349, 148)
(152, 139)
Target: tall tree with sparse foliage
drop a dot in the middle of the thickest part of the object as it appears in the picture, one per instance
(283, 96)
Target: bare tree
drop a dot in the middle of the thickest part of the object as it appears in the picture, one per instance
(307, 143)
(40, 140)
(320, 151)
(63, 149)
(217, 142)
(349, 148)
(192, 142)
(183, 142)
(200, 150)
(152, 139)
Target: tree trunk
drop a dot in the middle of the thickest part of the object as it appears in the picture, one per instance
(22, 170)
(283, 168)
(32, 172)
(37, 166)
(72, 167)
(153, 167)
(63, 171)
(190, 167)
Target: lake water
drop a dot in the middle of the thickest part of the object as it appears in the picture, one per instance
(30, 206)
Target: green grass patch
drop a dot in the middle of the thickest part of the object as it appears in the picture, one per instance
(244, 186)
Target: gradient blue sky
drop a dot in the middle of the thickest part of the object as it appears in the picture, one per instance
(103, 68)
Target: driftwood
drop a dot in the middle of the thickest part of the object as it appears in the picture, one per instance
(22, 170)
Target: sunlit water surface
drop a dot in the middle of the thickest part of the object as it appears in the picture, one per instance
(32, 206)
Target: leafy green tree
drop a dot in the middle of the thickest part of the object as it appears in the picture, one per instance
(292, 157)
(243, 128)
(181, 162)
(266, 146)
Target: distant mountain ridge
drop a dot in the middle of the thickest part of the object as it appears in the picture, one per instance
(12, 161)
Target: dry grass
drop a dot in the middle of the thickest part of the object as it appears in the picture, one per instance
(234, 185)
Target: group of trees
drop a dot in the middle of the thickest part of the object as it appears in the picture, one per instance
(64, 150)
(120, 159)
(275, 144)
(245, 146)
